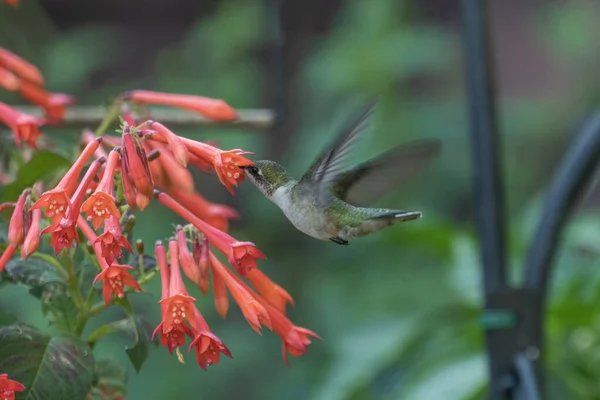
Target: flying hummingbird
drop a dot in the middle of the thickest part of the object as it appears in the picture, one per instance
(330, 202)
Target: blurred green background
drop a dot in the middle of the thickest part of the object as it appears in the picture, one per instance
(398, 311)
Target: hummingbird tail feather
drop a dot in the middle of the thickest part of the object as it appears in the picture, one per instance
(399, 216)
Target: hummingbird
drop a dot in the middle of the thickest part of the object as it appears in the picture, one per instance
(330, 202)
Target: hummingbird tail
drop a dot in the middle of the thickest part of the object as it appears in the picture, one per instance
(399, 216)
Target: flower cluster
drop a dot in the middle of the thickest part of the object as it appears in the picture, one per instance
(18, 75)
(148, 161)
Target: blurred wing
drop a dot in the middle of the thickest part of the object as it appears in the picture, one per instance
(373, 179)
(323, 171)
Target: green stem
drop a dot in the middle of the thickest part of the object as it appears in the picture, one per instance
(141, 266)
(111, 114)
(52, 261)
(72, 281)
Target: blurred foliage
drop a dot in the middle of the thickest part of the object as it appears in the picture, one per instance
(399, 310)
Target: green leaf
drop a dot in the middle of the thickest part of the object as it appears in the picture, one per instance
(33, 273)
(51, 368)
(45, 283)
(41, 166)
(136, 327)
(59, 306)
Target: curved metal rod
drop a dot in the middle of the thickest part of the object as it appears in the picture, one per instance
(575, 171)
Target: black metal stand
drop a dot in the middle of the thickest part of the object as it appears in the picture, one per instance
(513, 317)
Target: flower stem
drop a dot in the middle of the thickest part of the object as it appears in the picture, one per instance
(112, 113)
(72, 281)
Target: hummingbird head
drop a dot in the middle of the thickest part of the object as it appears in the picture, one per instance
(267, 176)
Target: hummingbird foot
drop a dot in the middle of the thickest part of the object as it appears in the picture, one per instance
(339, 240)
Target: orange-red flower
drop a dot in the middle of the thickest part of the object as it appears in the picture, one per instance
(8, 80)
(295, 339)
(63, 229)
(174, 338)
(179, 305)
(207, 345)
(217, 215)
(101, 204)
(201, 257)
(175, 143)
(173, 176)
(190, 269)
(112, 241)
(8, 387)
(19, 220)
(54, 104)
(6, 256)
(134, 168)
(32, 237)
(56, 201)
(220, 295)
(252, 310)
(115, 277)
(24, 126)
(277, 296)
(215, 109)
(226, 163)
(241, 255)
(21, 67)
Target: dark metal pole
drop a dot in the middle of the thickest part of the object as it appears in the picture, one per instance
(489, 197)
(485, 152)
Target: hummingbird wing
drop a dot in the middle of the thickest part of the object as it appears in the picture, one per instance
(367, 182)
(329, 164)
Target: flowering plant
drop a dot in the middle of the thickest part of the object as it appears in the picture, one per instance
(70, 238)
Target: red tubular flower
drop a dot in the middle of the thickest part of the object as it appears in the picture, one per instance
(217, 215)
(179, 305)
(277, 296)
(174, 338)
(115, 276)
(89, 136)
(242, 255)
(19, 220)
(112, 240)
(32, 237)
(54, 104)
(175, 143)
(8, 387)
(174, 175)
(295, 339)
(190, 269)
(56, 201)
(19, 66)
(202, 259)
(215, 109)
(253, 311)
(220, 294)
(63, 229)
(135, 165)
(8, 80)
(6, 256)
(226, 164)
(101, 204)
(208, 347)
(25, 127)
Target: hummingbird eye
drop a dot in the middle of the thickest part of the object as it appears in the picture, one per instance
(253, 170)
